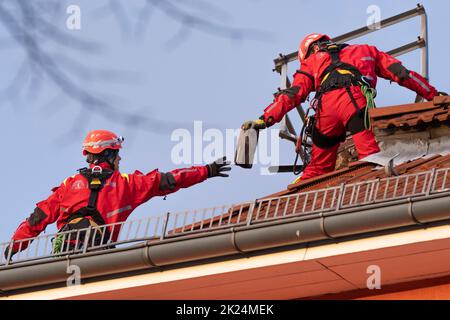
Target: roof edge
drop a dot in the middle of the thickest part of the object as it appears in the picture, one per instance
(234, 241)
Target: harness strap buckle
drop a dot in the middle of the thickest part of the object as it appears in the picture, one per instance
(96, 181)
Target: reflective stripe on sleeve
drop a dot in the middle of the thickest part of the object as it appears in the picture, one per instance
(117, 211)
(423, 85)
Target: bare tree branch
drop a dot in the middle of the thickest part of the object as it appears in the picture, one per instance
(143, 19)
(177, 39)
(46, 30)
(192, 21)
(15, 87)
(119, 13)
(31, 25)
(89, 74)
(89, 102)
(205, 7)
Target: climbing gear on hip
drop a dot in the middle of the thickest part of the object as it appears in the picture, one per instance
(310, 135)
(303, 146)
(73, 235)
(316, 136)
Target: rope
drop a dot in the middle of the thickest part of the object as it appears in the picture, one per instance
(297, 170)
(57, 244)
(370, 94)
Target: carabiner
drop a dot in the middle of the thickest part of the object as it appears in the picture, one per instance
(97, 169)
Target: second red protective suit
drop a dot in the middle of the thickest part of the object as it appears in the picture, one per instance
(336, 106)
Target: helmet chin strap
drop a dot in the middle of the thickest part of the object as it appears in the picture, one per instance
(111, 163)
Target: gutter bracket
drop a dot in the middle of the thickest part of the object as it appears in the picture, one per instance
(322, 227)
(233, 242)
(148, 259)
(411, 213)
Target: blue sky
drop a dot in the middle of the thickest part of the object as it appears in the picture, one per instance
(219, 81)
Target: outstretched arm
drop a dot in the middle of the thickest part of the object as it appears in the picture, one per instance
(45, 213)
(392, 69)
(157, 183)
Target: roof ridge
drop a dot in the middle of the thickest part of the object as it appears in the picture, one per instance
(401, 109)
(437, 102)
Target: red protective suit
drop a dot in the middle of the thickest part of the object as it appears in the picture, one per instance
(337, 107)
(121, 194)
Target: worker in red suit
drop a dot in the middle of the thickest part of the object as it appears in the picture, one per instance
(337, 73)
(101, 195)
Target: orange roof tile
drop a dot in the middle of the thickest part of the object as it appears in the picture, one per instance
(410, 115)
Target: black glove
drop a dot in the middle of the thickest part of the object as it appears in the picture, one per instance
(217, 168)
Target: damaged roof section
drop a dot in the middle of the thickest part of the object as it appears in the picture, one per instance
(404, 133)
(414, 136)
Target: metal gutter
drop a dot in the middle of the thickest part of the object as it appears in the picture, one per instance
(240, 240)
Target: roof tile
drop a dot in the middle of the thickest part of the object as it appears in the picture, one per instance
(409, 115)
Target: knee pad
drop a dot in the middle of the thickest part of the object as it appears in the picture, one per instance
(356, 122)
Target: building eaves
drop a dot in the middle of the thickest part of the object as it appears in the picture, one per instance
(237, 241)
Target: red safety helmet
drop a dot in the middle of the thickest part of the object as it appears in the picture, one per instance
(97, 141)
(306, 43)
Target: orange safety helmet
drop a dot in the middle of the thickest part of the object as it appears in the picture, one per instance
(97, 141)
(307, 42)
